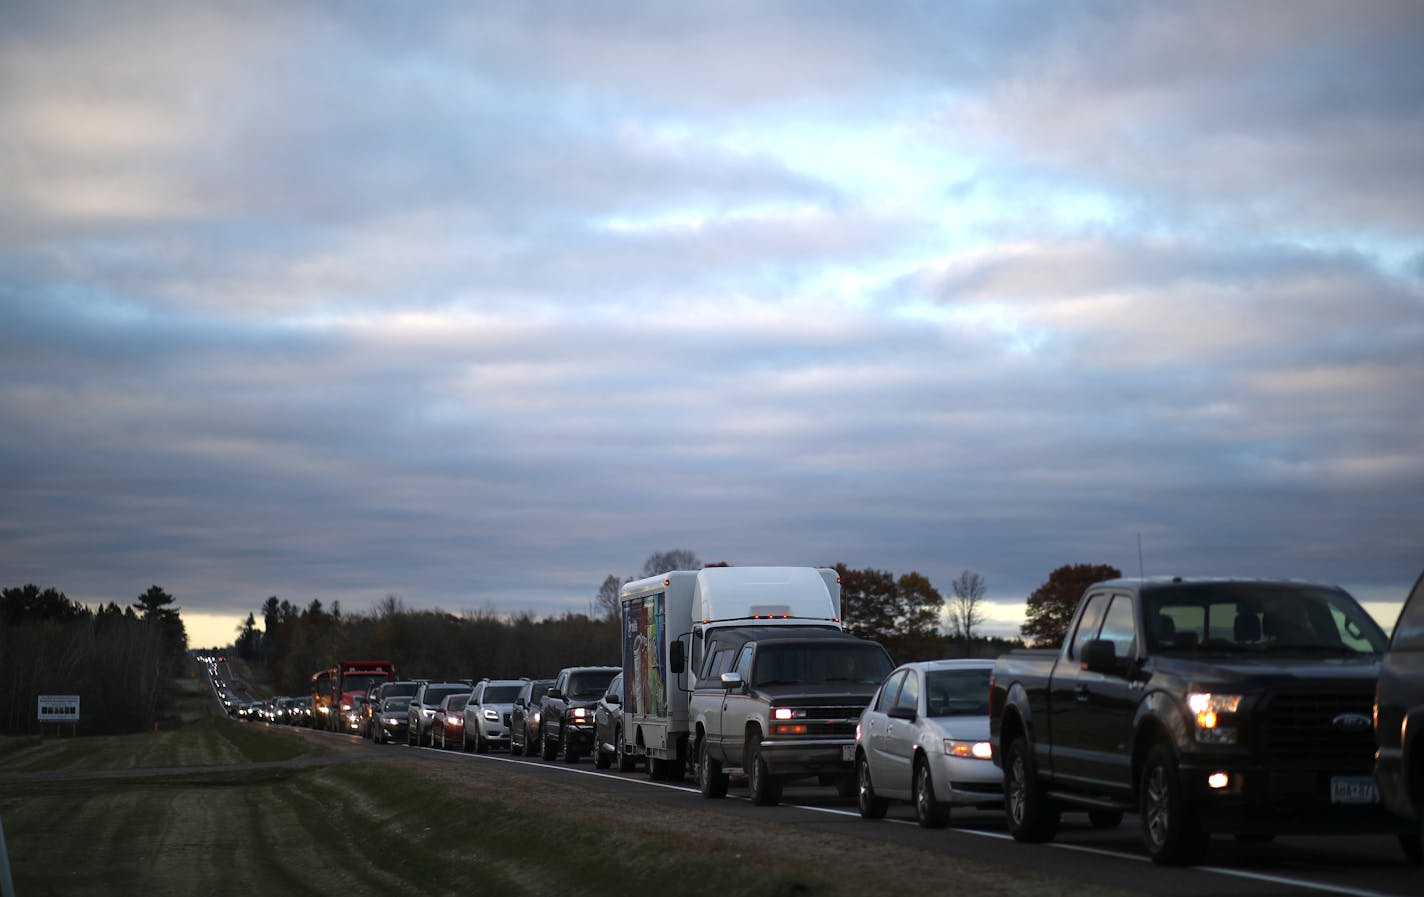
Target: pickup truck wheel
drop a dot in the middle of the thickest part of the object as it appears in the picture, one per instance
(1105, 818)
(1412, 843)
(567, 746)
(928, 811)
(871, 806)
(765, 788)
(547, 749)
(711, 780)
(1030, 815)
(1171, 830)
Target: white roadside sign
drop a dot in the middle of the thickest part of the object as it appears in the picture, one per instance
(59, 708)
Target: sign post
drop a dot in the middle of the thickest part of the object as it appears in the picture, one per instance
(58, 709)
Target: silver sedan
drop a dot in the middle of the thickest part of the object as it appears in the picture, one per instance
(925, 739)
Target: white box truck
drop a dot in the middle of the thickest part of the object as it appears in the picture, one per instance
(667, 623)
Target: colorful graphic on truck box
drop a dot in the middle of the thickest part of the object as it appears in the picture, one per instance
(644, 663)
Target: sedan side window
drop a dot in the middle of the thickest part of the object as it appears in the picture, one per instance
(909, 698)
(889, 692)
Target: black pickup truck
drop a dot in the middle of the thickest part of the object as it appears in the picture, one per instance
(1204, 705)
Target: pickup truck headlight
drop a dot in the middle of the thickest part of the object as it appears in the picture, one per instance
(975, 750)
(1207, 708)
(578, 714)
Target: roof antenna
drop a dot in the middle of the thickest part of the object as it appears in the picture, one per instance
(1141, 569)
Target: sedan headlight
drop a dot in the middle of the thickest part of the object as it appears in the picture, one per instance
(969, 750)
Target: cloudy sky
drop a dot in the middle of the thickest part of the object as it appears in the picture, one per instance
(476, 304)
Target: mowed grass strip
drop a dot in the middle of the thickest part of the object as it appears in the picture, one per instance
(207, 742)
(347, 829)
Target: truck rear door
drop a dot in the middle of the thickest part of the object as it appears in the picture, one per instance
(1071, 722)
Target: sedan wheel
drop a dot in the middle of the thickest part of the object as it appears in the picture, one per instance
(930, 812)
(871, 806)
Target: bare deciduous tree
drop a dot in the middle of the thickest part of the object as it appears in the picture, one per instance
(966, 608)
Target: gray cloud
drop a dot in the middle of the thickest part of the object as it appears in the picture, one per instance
(477, 307)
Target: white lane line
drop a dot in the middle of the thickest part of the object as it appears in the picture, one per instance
(1001, 836)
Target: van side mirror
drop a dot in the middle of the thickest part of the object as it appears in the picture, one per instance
(677, 658)
(1099, 656)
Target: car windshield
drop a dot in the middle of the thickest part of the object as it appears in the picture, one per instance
(437, 693)
(957, 692)
(500, 694)
(817, 664)
(362, 683)
(591, 684)
(397, 704)
(1259, 618)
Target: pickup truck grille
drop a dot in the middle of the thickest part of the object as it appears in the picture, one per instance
(1311, 729)
(830, 722)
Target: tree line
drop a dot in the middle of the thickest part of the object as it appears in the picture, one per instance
(120, 661)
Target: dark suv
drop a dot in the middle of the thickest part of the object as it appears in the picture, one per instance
(524, 717)
(1399, 723)
(566, 712)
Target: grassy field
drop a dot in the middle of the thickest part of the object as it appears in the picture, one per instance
(85, 818)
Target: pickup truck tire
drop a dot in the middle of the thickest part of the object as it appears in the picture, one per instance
(567, 746)
(711, 780)
(929, 812)
(765, 788)
(871, 806)
(1031, 817)
(1412, 843)
(1171, 830)
(548, 750)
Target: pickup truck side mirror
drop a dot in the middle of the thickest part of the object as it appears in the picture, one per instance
(554, 693)
(731, 681)
(1099, 656)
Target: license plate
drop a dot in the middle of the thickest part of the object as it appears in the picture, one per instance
(847, 752)
(1353, 790)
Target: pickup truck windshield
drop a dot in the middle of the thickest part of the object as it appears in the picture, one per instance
(1259, 618)
(590, 684)
(817, 664)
